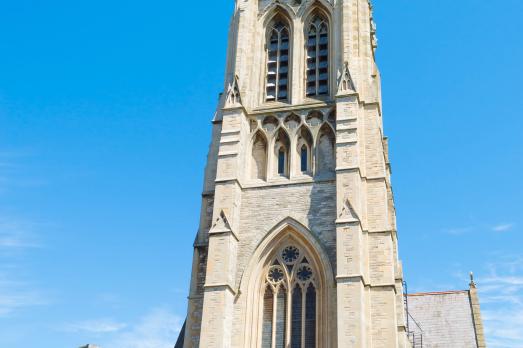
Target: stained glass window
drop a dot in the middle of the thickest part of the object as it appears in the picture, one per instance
(297, 285)
(297, 319)
(290, 254)
(268, 305)
(281, 311)
(310, 317)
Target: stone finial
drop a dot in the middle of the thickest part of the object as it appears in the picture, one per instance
(233, 93)
(472, 282)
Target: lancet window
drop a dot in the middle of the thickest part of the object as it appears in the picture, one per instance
(278, 52)
(317, 63)
(304, 149)
(290, 301)
(281, 152)
(259, 157)
(304, 158)
(326, 156)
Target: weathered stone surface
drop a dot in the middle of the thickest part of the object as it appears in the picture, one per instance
(311, 170)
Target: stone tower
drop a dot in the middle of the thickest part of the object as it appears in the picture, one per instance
(297, 245)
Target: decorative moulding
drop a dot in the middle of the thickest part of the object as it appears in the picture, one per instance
(348, 214)
(222, 226)
(233, 98)
(346, 85)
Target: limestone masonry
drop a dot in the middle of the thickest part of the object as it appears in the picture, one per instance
(297, 244)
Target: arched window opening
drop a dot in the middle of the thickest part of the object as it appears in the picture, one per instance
(268, 306)
(281, 320)
(297, 317)
(259, 158)
(318, 57)
(281, 153)
(304, 151)
(278, 48)
(304, 159)
(290, 278)
(310, 317)
(281, 161)
(326, 162)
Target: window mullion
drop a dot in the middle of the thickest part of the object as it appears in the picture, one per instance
(288, 318)
(278, 59)
(318, 36)
(316, 326)
(274, 317)
(303, 304)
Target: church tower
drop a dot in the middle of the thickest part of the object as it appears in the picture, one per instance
(297, 245)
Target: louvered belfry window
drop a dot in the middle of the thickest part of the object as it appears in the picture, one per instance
(278, 62)
(290, 278)
(318, 57)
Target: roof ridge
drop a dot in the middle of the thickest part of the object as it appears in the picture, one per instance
(439, 293)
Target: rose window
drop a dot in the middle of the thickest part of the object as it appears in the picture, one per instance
(304, 273)
(276, 274)
(290, 254)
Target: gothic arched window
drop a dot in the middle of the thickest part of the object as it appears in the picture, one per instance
(281, 153)
(290, 278)
(281, 161)
(278, 52)
(304, 157)
(304, 150)
(317, 57)
(259, 157)
(326, 154)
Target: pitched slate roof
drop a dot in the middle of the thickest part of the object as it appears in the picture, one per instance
(179, 343)
(444, 319)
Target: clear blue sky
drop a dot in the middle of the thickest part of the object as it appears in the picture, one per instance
(105, 110)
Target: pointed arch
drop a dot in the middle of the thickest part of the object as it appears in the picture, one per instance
(318, 43)
(307, 266)
(304, 146)
(273, 10)
(259, 156)
(282, 145)
(318, 5)
(326, 151)
(278, 38)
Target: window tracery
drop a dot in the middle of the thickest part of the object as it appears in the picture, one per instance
(290, 278)
(292, 146)
(317, 63)
(278, 52)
